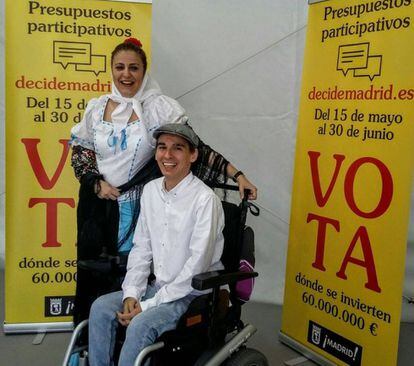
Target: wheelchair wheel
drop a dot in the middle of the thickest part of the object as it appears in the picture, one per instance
(205, 356)
(247, 357)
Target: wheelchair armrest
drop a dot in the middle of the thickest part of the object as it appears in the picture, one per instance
(105, 264)
(207, 280)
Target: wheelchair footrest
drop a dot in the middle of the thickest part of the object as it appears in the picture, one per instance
(232, 345)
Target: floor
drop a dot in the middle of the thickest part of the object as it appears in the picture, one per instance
(18, 350)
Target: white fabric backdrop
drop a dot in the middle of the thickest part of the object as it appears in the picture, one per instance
(235, 65)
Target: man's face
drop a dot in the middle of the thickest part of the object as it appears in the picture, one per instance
(174, 158)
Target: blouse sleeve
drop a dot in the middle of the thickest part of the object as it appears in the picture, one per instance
(82, 133)
(160, 111)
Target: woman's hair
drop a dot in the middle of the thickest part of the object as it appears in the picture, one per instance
(131, 44)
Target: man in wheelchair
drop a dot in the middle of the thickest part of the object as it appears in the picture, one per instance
(178, 235)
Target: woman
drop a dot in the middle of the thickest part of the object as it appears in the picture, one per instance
(112, 156)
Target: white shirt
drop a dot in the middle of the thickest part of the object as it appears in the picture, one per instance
(180, 233)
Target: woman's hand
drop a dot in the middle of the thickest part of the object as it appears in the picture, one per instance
(131, 309)
(106, 191)
(243, 184)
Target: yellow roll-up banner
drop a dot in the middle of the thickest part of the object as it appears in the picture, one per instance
(352, 183)
(57, 58)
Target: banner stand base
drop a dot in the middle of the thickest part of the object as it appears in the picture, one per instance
(17, 328)
(308, 353)
(296, 361)
(38, 339)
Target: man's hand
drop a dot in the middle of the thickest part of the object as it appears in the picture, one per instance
(131, 309)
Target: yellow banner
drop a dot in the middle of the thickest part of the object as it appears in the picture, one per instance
(352, 182)
(57, 58)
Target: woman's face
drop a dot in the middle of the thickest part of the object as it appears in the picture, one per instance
(127, 73)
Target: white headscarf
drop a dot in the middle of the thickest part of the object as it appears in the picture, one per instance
(122, 113)
(160, 110)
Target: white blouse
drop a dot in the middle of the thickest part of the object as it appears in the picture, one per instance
(123, 148)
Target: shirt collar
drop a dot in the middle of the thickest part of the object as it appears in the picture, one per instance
(181, 186)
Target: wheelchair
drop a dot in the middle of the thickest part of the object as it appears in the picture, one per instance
(210, 332)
